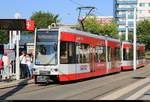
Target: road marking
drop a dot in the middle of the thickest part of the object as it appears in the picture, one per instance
(139, 93)
(124, 90)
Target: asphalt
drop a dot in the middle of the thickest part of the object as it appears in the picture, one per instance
(13, 83)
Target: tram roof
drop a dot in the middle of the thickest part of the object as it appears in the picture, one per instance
(74, 31)
(138, 44)
(126, 42)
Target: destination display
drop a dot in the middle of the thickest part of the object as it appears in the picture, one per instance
(47, 36)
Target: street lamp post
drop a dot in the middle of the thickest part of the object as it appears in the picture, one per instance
(10, 39)
(17, 16)
(106, 42)
(17, 57)
(126, 25)
(134, 41)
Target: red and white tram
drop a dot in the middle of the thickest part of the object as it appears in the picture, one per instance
(140, 55)
(65, 54)
(127, 55)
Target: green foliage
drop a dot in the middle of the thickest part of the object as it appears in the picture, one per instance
(4, 37)
(91, 25)
(130, 36)
(143, 27)
(143, 33)
(44, 19)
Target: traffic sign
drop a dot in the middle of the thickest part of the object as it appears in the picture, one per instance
(30, 25)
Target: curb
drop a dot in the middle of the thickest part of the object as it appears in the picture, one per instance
(16, 83)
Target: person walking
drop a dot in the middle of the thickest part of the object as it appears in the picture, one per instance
(23, 65)
(1, 66)
(6, 62)
(29, 64)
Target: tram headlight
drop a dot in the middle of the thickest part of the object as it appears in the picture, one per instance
(55, 70)
(33, 69)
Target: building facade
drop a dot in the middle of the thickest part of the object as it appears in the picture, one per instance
(126, 7)
(104, 19)
(121, 8)
(101, 19)
(143, 8)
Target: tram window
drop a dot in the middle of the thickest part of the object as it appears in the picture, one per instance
(140, 54)
(63, 53)
(100, 54)
(112, 54)
(71, 53)
(124, 54)
(127, 54)
(130, 54)
(82, 53)
(67, 53)
(117, 54)
(109, 53)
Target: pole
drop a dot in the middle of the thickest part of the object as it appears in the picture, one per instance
(10, 39)
(17, 16)
(126, 25)
(106, 42)
(134, 41)
(17, 56)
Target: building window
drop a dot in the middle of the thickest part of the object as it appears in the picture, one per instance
(143, 11)
(142, 4)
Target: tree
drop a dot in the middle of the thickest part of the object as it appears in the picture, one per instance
(93, 26)
(143, 31)
(4, 37)
(44, 19)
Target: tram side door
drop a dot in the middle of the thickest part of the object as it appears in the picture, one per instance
(92, 58)
(113, 61)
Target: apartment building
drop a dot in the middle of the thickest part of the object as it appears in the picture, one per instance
(143, 8)
(104, 19)
(126, 7)
(101, 19)
(120, 9)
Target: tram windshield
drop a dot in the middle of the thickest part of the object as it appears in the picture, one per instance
(46, 48)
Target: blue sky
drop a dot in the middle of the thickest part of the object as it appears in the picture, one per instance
(65, 8)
